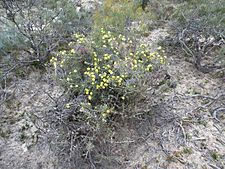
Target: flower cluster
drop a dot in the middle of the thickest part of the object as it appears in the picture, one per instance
(80, 38)
(53, 60)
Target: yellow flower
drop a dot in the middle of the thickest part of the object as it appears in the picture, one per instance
(86, 91)
(104, 115)
(159, 48)
(119, 80)
(67, 105)
(93, 76)
(89, 97)
(110, 71)
(63, 52)
(104, 74)
(72, 51)
(135, 66)
(76, 35)
(96, 70)
(162, 61)
(149, 67)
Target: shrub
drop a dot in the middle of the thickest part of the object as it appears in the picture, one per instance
(211, 12)
(41, 25)
(107, 70)
(199, 31)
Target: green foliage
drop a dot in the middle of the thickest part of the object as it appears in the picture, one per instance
(106, 70)
(115, 14)
(118, 15)
(11, 39)
(215, 155)
(211, 12)
(187, 150)
(140, 3)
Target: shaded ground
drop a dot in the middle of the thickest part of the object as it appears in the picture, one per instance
(184, 130)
